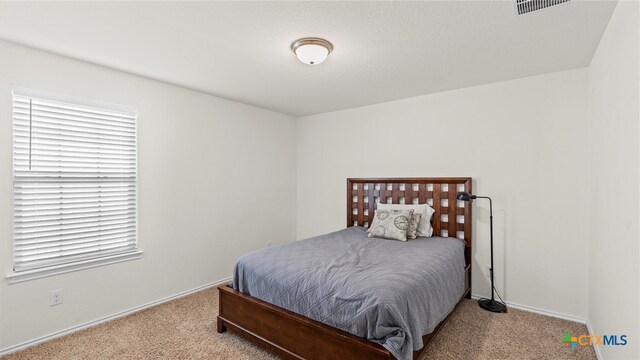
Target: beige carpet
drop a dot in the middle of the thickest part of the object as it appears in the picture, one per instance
(185, 329)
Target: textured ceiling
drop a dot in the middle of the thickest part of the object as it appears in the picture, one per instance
(383, 50)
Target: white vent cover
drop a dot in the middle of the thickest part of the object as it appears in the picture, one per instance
(527, 6)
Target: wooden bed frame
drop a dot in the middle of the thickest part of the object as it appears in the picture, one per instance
(294, 336)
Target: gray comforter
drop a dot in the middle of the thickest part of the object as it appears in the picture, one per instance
(386, 291)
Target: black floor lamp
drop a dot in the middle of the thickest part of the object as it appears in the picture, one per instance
(487, 304)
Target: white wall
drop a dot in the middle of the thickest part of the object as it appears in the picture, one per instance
(614, 196)
(207, 167)
(523, 143)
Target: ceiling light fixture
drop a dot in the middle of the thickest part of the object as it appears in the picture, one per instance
(311, 51)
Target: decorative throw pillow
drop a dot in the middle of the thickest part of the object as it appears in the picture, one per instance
(424, 227)
(390, 224)
(412, 231)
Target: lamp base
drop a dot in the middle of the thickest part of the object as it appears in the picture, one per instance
(492, 305)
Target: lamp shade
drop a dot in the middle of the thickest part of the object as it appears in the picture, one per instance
(465, 196)
(312, 54)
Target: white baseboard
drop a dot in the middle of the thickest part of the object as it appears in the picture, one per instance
(596, 348)
(101, 320)
(538, 311)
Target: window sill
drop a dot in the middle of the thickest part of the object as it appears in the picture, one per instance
(27, 275)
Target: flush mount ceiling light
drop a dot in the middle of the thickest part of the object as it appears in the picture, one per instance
(311, 51)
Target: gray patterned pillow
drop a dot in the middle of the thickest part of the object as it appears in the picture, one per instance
(390, 224)
(412, 231)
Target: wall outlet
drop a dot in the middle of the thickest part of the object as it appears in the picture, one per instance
(269, 243)
(55, 297)
(495, 276)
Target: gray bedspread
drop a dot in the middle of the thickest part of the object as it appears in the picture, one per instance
(386, 291)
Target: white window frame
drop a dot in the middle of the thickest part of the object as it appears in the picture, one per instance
(79, 264)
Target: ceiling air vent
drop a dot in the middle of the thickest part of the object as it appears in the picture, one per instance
(527, 6)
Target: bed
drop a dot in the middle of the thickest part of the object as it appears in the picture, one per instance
(306, 331)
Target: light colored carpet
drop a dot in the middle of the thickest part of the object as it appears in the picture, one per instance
(186, 329)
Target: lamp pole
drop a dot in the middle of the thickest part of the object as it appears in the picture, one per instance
(487, 304)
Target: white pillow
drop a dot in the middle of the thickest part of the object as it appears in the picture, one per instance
(424, 227)
(412, 231)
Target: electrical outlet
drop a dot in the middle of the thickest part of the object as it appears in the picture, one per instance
(489, 273)
(269, 243)
(55, 297)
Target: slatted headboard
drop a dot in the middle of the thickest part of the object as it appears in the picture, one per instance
(452, 217)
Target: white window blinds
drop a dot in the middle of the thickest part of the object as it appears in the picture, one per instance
(74, 181)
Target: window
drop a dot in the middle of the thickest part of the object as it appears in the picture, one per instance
(74, 183)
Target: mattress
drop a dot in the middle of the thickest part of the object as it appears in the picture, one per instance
(386, 291)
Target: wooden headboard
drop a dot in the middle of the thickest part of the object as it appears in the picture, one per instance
(452, 217)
